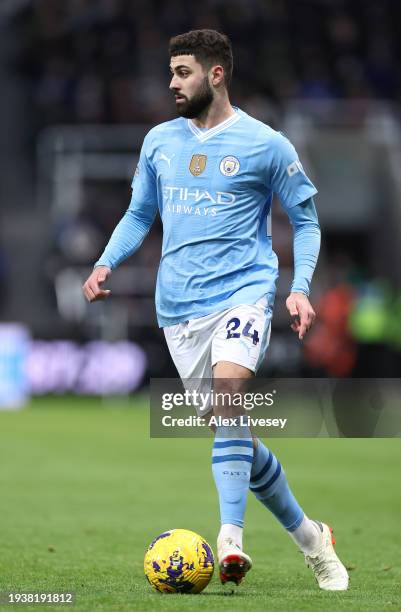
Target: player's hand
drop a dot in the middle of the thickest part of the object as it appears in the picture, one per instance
(301, 312)
(92, 288)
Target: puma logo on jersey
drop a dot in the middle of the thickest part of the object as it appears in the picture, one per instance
(164, 157)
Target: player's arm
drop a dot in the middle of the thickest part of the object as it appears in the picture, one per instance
(306, 229)
(130, 231)
(295, 191)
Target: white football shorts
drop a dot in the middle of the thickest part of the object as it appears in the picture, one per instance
(240, 334)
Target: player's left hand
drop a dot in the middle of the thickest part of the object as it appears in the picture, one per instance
(301, 312)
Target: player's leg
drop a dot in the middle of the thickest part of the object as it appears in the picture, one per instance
(270, 486)
(265, 478)
(268, 480)
(190, 348)
(236, 352)
(232, 459)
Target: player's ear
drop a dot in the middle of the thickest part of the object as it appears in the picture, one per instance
(217, 75)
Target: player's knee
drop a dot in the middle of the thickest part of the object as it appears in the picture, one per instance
(228, 396)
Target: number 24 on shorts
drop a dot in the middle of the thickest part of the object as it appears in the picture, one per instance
(234, 324)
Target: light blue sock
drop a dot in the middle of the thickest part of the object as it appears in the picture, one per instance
(231, 464)
(270, 486)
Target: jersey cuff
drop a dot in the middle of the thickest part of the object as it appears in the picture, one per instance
(303, 291)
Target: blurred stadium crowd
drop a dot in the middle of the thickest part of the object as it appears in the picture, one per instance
(105, 62)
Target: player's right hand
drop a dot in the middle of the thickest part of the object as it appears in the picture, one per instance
(92, 288)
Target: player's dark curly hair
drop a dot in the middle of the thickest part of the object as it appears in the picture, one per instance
(208, 46)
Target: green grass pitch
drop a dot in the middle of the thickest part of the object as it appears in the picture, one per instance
(83, 490)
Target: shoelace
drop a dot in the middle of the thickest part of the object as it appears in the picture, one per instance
(319, 566)
(231, 542)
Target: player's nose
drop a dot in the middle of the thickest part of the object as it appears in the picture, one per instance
(174, 83)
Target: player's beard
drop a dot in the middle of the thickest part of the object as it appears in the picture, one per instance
(199, 102)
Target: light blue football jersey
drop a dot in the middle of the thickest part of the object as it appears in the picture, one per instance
(213, 189)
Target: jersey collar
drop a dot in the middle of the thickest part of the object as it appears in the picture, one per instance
(203, 135)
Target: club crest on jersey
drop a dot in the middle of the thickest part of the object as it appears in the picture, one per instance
(229, 166)
(198, 164)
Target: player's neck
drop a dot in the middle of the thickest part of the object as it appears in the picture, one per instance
(218, 111)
